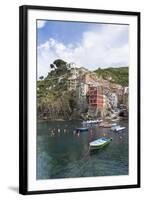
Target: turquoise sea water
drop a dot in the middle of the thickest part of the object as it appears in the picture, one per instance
(63, 153)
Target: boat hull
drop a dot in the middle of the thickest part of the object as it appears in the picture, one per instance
(92, 121)
(100, 146)
(82, 129)
(120, 129)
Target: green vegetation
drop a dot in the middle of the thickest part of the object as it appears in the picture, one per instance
(114, 75)
(60, 67)
(53, 99)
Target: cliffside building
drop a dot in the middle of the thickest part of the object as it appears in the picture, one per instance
(95, 98)
(72, 82)
(114, 100)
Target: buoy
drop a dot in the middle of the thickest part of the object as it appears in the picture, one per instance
(58, 130)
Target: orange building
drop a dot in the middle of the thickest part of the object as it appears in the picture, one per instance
(95, 98)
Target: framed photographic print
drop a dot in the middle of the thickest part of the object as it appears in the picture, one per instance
(79, 99)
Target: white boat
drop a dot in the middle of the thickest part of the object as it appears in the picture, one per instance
(100, 120)
(114, 124)
(114, 128)
(90, 122)
(117, 128)
(115, 120)
(120, 128)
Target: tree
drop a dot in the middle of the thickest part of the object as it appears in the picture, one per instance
(59, 63)
(41, 77)
(52, 66)
(60, 67)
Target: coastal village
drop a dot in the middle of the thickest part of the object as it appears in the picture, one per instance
(79, 113)
(73, 92)
(82, 100)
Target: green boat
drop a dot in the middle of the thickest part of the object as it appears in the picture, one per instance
(99, 143)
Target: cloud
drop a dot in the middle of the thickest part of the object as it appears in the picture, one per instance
(97, 48)
(41, 23)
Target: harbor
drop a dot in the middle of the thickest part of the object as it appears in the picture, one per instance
(63, 150)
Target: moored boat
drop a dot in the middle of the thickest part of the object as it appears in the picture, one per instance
(114, 124)
(114, 128)
(118, 128)
(107, 125)
(82, 129)
(99, 143)
(92, 121)
(115, 120)
(100, 120)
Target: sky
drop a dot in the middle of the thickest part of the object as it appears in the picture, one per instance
(91, 45)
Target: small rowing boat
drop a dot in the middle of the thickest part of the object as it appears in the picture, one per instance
(114, 124)
(92, 121)
(99, 143)
(117, 128)
(120, 128)
(115, 120)
(82, 129)
(107, 125)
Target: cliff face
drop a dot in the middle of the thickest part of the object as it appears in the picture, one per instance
(59, 99)
(60, 105)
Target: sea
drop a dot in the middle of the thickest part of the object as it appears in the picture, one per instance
(63, 152)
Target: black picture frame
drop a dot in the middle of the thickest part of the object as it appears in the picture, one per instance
(23, 97)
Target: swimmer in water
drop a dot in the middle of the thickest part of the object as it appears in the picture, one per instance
(52, 133)
(78, 133)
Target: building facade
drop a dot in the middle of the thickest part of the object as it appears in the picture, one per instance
(72, 82)
(95, 98)
(114, 100)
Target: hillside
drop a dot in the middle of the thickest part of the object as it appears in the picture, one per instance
(56, 100)
(53, 98)
(115, 75)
